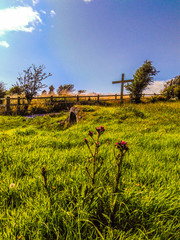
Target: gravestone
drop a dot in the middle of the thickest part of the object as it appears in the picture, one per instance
(73, 115)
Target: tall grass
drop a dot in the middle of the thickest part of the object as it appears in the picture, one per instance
(62, 207)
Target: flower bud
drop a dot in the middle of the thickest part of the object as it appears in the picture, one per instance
(122, 146)
(100, 129)
(43, 170)
(90, 133)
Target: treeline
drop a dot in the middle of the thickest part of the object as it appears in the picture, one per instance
(62, 89)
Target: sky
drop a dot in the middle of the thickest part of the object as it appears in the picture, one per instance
(90, 43)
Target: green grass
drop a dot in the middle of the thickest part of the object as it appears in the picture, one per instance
(148, 206)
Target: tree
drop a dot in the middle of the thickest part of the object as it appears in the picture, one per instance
(81, 91)
(2, 90)
(16, 90)
(66, 88)
(142, 78)
(31, 81)
(44, 92)
(172, 88)
(51, 89)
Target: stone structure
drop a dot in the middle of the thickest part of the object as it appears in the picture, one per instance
(73, 115)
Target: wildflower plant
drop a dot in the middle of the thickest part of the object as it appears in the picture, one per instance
(45, 183)
(123, 148)
(96, 166)
(44, 175)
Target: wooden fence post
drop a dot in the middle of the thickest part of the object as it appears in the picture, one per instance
(18, 105)
(51, 100)
(115, 96)
(122, 87)
(97, 98)
(8, 101)
(77, 98)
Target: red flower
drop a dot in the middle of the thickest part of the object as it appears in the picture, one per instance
(90, 133)
(122, 145)
(100, 129)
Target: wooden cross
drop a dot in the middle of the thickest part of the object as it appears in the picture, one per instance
(122, 85)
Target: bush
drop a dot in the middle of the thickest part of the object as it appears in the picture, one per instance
(172, 88)
(157, 98)
(2, 91)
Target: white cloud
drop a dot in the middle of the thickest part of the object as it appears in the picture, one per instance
(18, 19)
(21, 1)
(87, 0)
(35, 2)
(44, 12)
(52, 13)
(155, 87)
(4, 44)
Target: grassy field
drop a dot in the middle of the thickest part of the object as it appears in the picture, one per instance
(46, 192)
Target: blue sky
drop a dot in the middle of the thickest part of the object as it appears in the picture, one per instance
(89, 43)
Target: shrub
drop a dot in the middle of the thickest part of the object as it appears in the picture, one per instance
(156, 98)
(172, 88)
(2, 91)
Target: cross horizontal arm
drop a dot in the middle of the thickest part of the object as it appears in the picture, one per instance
(125, 81)
(130, 80)
(116, 82)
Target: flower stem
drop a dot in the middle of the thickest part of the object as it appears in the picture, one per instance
(119, 175)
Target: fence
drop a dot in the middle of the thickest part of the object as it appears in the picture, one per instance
(9, 102)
